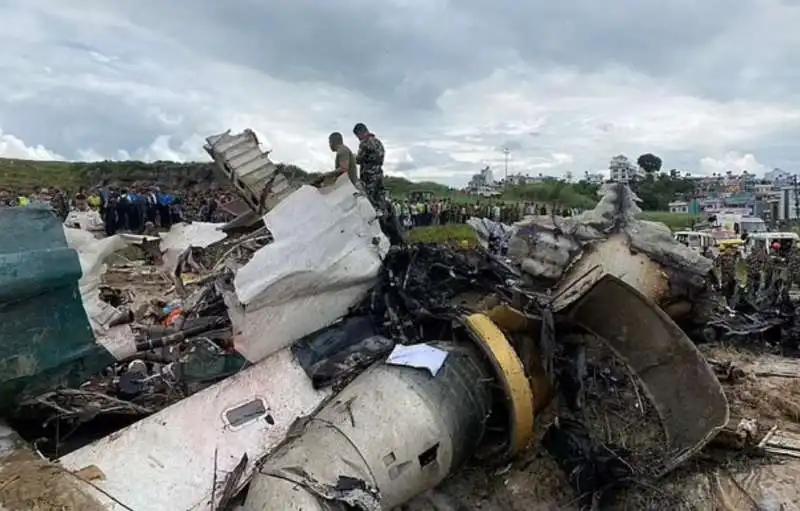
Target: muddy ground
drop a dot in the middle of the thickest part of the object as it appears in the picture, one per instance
(534, 482)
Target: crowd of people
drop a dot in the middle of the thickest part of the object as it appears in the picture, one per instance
(132, 209)
(421, 213)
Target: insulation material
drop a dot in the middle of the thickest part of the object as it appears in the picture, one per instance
(327, 252)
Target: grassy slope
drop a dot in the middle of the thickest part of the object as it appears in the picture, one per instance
(28, 175)
(25, 175)
(675, 221)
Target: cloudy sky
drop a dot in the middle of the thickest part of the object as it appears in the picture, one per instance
(708, 86)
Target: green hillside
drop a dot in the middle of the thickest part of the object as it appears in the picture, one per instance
(28, 175)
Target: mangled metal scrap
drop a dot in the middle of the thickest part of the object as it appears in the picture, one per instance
(299, 422)
(259, 182)
(602, 272)
(569, 254)
(267, 300)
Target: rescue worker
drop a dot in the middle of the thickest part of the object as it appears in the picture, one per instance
(756, 261)
(775, 265)
(344, 162)
(111, 213)
(727, 269)
(793, 265)
(60, 205)
(123, 210)
(370, 161)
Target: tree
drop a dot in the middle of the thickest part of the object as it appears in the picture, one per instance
(650, 163)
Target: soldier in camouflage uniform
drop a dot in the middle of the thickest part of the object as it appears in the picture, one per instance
(370, 161)
(756, 261)
(794, 266)
(726, 263)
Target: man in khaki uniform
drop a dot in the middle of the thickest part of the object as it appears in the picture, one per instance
(344, 162)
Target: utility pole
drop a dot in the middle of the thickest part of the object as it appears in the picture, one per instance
(796, 199)
(505, 181)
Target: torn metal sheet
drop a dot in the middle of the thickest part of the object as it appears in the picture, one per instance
(684, 390)
(46, 337)
(394, 432)
(258, 180)
(493, 236)
(174, 453)
(183, 236)
(326, 255)
(607, 239)
(93, 254)
(56, 329)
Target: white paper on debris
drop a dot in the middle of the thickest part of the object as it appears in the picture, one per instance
(327, 252)
(420, 356)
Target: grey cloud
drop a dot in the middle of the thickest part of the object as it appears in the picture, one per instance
(385, 52)
(424, 156)
(410, 55)
(511, 145)
(404, 56)
(78, 123)
(405, 166)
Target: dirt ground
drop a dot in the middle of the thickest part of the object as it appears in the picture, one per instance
(712, 480)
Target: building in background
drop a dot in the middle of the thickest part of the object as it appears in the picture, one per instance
(524, 179)
(787, 203)
(483, 183)
(778, 177)
(621, 170)
(594, 178)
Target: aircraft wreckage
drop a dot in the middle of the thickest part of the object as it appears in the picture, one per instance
(307, 364)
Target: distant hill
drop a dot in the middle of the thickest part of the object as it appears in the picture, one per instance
(29, 175)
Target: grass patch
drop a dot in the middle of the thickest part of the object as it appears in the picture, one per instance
(675, 221)
(455, 234)
(27, 176)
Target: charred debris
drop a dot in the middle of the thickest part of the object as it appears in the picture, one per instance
(616, 413)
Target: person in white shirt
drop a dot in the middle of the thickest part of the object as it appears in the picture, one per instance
(83, 217)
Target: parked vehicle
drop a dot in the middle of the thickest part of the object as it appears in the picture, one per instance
(699, 241)
(785, 241)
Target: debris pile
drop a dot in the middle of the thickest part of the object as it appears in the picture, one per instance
(300, 361)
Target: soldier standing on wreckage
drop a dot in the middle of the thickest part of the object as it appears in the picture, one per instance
(370, 161)
(344, 161)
